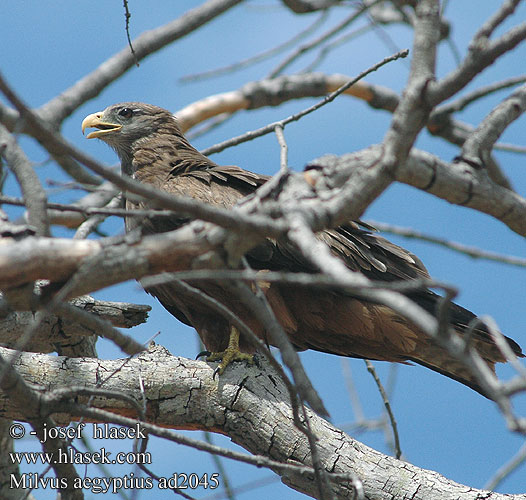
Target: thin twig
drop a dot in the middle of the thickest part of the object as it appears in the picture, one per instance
(248, 136)
(126, 343)
(89, 211)
(326, 49)
(477, 148)
(127, 16)
(487, 29)
(314, 43)
(483, 52)
(512, 148)
(88, 226)
(209, 125)
(464, 101)
(258, 57)
(474, 252)
(32, 191)
(293, 278)
(442, 311)
(225, 481)
(387, 404)
(283, 161)
(320, 474)
(356, 404)
(507, 469)
(145, 44)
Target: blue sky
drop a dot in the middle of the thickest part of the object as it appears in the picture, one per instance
(443, 425)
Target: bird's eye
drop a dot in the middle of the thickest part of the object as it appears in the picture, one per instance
(126, 113)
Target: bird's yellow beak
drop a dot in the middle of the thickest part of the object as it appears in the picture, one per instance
(95, 121)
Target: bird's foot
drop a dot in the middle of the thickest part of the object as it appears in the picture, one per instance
(226, 357)
(231, 353)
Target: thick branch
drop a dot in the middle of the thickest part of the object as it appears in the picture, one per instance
(28, 401)
(456, 183)
(58, 259)
(275, 91)
(250, 405)
(63, 331)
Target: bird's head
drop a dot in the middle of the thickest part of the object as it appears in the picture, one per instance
(122, 125)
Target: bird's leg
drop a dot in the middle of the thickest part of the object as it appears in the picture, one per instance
(231, 353)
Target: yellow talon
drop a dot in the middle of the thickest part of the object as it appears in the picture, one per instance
(231, 353)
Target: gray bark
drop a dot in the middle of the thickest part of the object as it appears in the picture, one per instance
(250, 405)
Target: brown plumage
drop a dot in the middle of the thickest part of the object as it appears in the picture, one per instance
(153, 150)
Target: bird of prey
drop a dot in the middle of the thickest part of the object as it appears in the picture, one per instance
(153, 150)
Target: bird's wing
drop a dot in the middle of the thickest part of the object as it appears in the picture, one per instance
(217, 185)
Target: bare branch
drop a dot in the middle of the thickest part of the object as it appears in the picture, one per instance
(70, 166)
(251, 406)
(476, 253)
(387, 404)
(471, 97)
(275, 91)
(28, 402)
(258, 57)
(482, 53)
(58, 330)
(81, 210)
(248, 407)
(127, 16)
(512, 148)
(507, 469)
(126, 343)
(151, 41)
(506, 9)
(269, 128)
(306, 6)
(410, 115)
(34, 196)
(327, 48)
(311, 45)
(59, 214)
(454, 182)
(90, 225)
(9, 469)
(477, 148)
(283, 161)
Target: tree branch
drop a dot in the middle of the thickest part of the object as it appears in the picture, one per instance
(145, 44)
(248, 404)
(482, 53)
(61, 330)
(456, 183)
(32, 191)
(477, 149)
